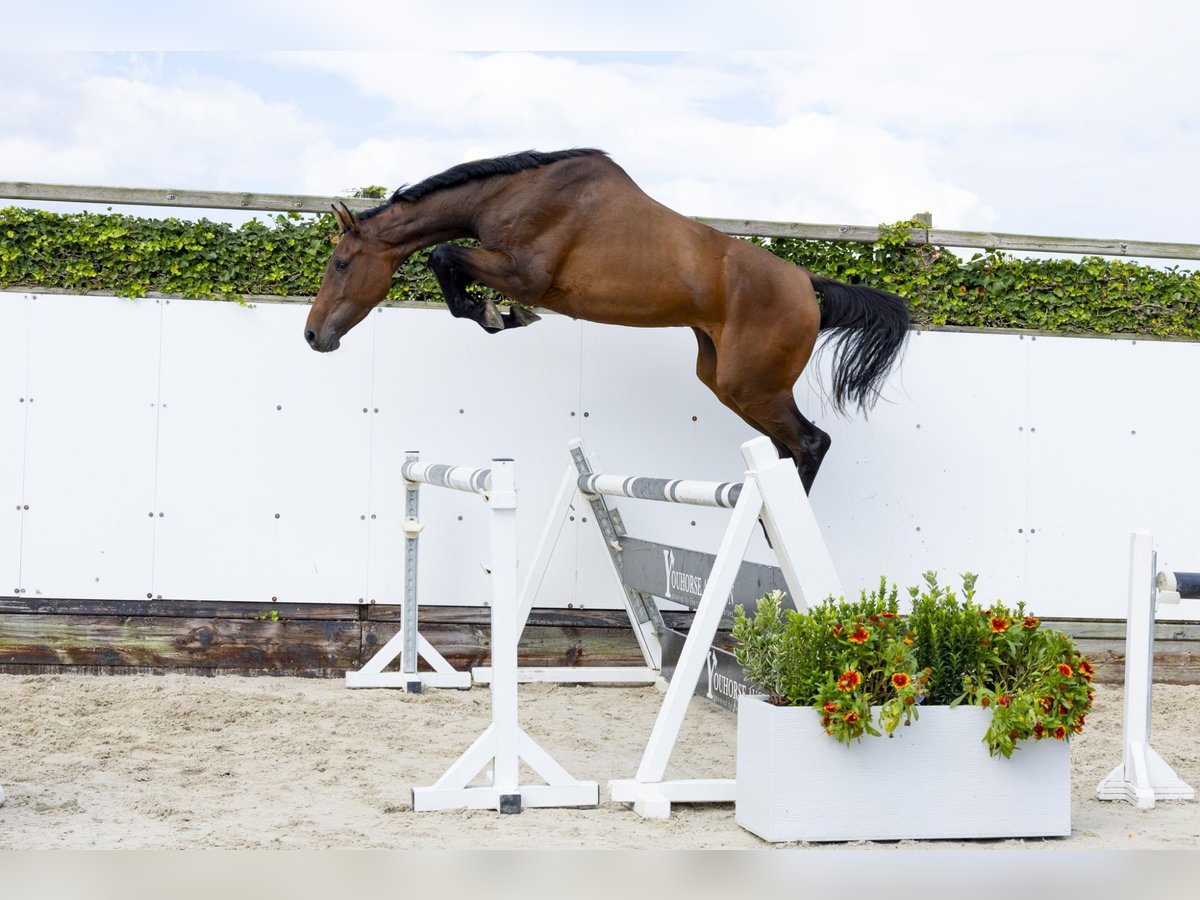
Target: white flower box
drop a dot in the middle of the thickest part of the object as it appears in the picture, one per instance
(933, 779)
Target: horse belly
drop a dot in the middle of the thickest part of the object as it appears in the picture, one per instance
(633, 302)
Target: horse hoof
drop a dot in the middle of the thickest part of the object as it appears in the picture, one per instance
(490, 318)
(520, 316)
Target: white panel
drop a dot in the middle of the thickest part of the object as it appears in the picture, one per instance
(89, 464)
(935, 477)
(264, 455)
(14, 382)
(458, 395)
(646, 413)
(1112, 451)
(1025, 460)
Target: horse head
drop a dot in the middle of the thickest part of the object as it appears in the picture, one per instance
(356, 280)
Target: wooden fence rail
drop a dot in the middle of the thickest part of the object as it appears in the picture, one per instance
(256, 202)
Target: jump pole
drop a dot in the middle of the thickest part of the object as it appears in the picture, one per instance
(503, 745)
(1143, 777)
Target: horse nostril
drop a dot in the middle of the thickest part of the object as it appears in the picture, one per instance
(311, 337)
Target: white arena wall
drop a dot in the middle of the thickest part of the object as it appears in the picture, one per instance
(186, 449)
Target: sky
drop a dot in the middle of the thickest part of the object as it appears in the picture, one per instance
(1052, 118)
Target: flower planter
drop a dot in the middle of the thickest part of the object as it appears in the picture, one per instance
(933, 779)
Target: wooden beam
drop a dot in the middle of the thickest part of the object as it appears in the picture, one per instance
(201, 643)
(306, 203)
(176, 197)
(327, 640)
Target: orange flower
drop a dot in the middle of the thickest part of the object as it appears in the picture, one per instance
(1030, 622)
(1039, 731)
(825, 720)
(1047, 704)
(998, 624)
(900, 680)
(1060, 732)
(907, 642)
(889, 615)
(1086, 668)
(1064, 670)
(831, 707)
(849, 681)
(850, 718)
(860, 636)
(1005, 699)
(837, 629)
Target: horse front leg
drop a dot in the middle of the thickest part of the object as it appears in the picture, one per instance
(454, 281)
(458, 267)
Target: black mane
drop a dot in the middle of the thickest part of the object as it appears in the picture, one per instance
(480, 168)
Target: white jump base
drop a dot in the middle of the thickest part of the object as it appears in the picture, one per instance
(631, 675)
(487, 775)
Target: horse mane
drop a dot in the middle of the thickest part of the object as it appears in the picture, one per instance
(476, 170)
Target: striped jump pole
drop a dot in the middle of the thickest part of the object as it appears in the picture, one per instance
(1176, 586)
(723, 494)
(503, 745)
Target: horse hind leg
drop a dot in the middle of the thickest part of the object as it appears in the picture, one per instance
(775, 415)
(807, 444)
(772, 410)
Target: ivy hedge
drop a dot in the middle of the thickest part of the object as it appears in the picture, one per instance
(286, 255)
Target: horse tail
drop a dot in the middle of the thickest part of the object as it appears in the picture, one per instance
(869, 328)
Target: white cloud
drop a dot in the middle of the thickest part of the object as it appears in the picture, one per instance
(93, 122)
(1041, 125)
(689, 129)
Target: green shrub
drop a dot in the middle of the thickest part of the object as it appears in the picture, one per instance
(287, 255)
(861, 662)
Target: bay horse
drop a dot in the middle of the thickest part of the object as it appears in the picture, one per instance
(571, 232)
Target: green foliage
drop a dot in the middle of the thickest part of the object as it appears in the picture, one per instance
(949, 636)
(1034, 680)
(842, 657)
(860, 662)
(287, 255)
(995, 290)
(131, 256)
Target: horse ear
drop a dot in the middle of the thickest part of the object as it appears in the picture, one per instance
(337, 217)
(349, 218)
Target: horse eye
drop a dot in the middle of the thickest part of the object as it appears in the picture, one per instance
(341, 264)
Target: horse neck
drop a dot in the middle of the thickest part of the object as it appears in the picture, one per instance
(441, 216)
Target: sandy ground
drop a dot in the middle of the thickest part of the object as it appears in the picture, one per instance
(183, 762)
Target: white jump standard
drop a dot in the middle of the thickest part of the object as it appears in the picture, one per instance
(408, 643)
(503, 745)
(1143, 777)
(772, 491)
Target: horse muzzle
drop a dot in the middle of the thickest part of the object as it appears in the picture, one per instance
(325, 343)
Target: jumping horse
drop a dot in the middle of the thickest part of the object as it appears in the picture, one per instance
(571, 232)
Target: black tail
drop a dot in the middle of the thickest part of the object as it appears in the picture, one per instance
(870, 327)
